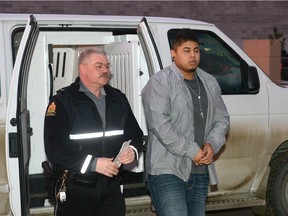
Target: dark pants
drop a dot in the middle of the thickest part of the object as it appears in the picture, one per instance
(105, 199)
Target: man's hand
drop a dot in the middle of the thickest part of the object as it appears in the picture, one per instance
(198, 157)
(208, 154)
(127, 156)
(107, 167)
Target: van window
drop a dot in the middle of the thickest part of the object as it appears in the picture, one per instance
(218, 59)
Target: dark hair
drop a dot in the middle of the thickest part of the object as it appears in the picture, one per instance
(183, 36)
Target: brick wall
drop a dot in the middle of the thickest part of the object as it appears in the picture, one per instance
(238, 19)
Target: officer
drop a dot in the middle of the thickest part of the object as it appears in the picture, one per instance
(86, 124)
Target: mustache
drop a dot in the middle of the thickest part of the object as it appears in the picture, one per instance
(106, 75)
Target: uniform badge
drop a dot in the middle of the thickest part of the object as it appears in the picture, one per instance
(51, 111)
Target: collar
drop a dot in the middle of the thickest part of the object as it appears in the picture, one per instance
(84, 89)
(176, 70)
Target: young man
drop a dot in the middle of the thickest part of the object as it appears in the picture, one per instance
(187, 122)
(86, 124)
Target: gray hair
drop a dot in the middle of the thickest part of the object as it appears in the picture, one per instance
(88, 52)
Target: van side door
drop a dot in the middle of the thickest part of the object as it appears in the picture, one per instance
(18, 130)
(149, 47)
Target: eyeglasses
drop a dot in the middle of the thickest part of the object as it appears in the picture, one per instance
(101, 67)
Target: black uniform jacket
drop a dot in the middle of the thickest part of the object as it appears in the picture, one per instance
(73, 131)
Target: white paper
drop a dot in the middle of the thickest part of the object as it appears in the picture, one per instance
(125, 145)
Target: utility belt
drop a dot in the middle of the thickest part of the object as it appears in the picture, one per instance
(58, 178)
(88, 179)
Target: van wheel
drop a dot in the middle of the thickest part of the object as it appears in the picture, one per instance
(277, 188)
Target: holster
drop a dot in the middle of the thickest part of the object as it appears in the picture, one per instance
(51, 180)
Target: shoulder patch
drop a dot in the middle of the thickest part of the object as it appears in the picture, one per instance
(51, 111)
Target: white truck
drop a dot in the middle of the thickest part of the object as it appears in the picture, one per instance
(40, 57)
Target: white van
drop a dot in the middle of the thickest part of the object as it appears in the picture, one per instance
(252, 166)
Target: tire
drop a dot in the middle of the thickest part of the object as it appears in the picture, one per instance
(277, 188)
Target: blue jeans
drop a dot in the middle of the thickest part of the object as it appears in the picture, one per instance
(172, 196)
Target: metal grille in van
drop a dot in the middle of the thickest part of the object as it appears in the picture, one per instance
(125, 68)
(65, 68)
(121, 78)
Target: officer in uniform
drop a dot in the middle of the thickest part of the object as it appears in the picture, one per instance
(86, 124)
